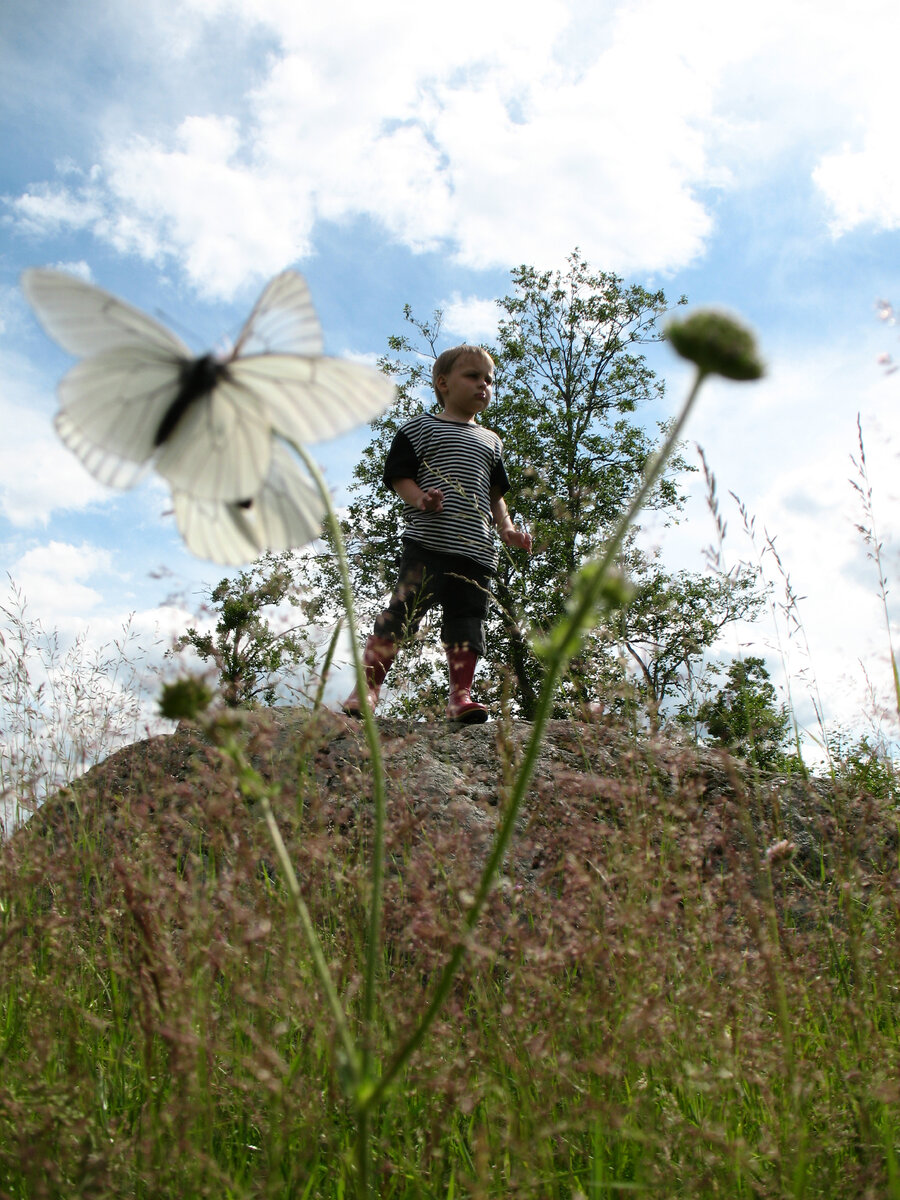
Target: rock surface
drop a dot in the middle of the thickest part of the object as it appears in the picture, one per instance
(455, 779)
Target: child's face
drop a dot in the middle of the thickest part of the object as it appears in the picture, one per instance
(466, 388)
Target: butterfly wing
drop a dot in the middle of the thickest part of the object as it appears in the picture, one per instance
(283, 320)
(84, 319)
(312, 399)
(286, 512)
(112, 405)
(109, 469)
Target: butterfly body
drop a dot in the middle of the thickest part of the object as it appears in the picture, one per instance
(217, 430)
(198, 378)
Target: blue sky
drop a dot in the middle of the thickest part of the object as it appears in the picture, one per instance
(400, 154)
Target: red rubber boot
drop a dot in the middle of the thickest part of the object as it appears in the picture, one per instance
(462, 708)
(377, 658)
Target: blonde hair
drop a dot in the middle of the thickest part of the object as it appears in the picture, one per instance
(443, 364)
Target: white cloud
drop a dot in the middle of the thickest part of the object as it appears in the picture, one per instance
(48, 208)
(554, 127)
(80, 268)
(199, 201)
(38, 476)
(55, 579)
(65, 560)
(494, 147)
(473, 319)
(862, 186)
(859, 176)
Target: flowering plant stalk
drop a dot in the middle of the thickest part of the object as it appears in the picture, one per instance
(188, 698)
(357, 1059)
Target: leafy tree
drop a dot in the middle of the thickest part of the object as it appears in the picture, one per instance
(745, 718)
(674, 620)
(253, 659)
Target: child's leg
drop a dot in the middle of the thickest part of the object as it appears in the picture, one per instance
(378, 655)
(411, 600)
(461, 663)
(465, 596)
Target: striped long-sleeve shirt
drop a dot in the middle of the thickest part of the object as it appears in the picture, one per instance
(465, 461)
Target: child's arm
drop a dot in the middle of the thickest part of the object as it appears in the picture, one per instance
(409, 491)
(509, 534)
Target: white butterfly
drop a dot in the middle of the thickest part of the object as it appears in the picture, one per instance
(140, 397)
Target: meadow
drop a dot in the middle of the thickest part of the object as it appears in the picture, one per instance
(234, 964)
(669, 993)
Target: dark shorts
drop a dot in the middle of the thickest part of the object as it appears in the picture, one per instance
(460, 586)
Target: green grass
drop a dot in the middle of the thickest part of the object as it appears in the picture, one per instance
(619, 1027)
(238, 973)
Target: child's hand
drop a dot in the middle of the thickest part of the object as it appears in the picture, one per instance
(431, 501)
(519, 538)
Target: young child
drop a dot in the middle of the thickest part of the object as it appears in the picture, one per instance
(449, 472)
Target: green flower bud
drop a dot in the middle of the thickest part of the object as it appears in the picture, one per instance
(717, 343)
(185, 699)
